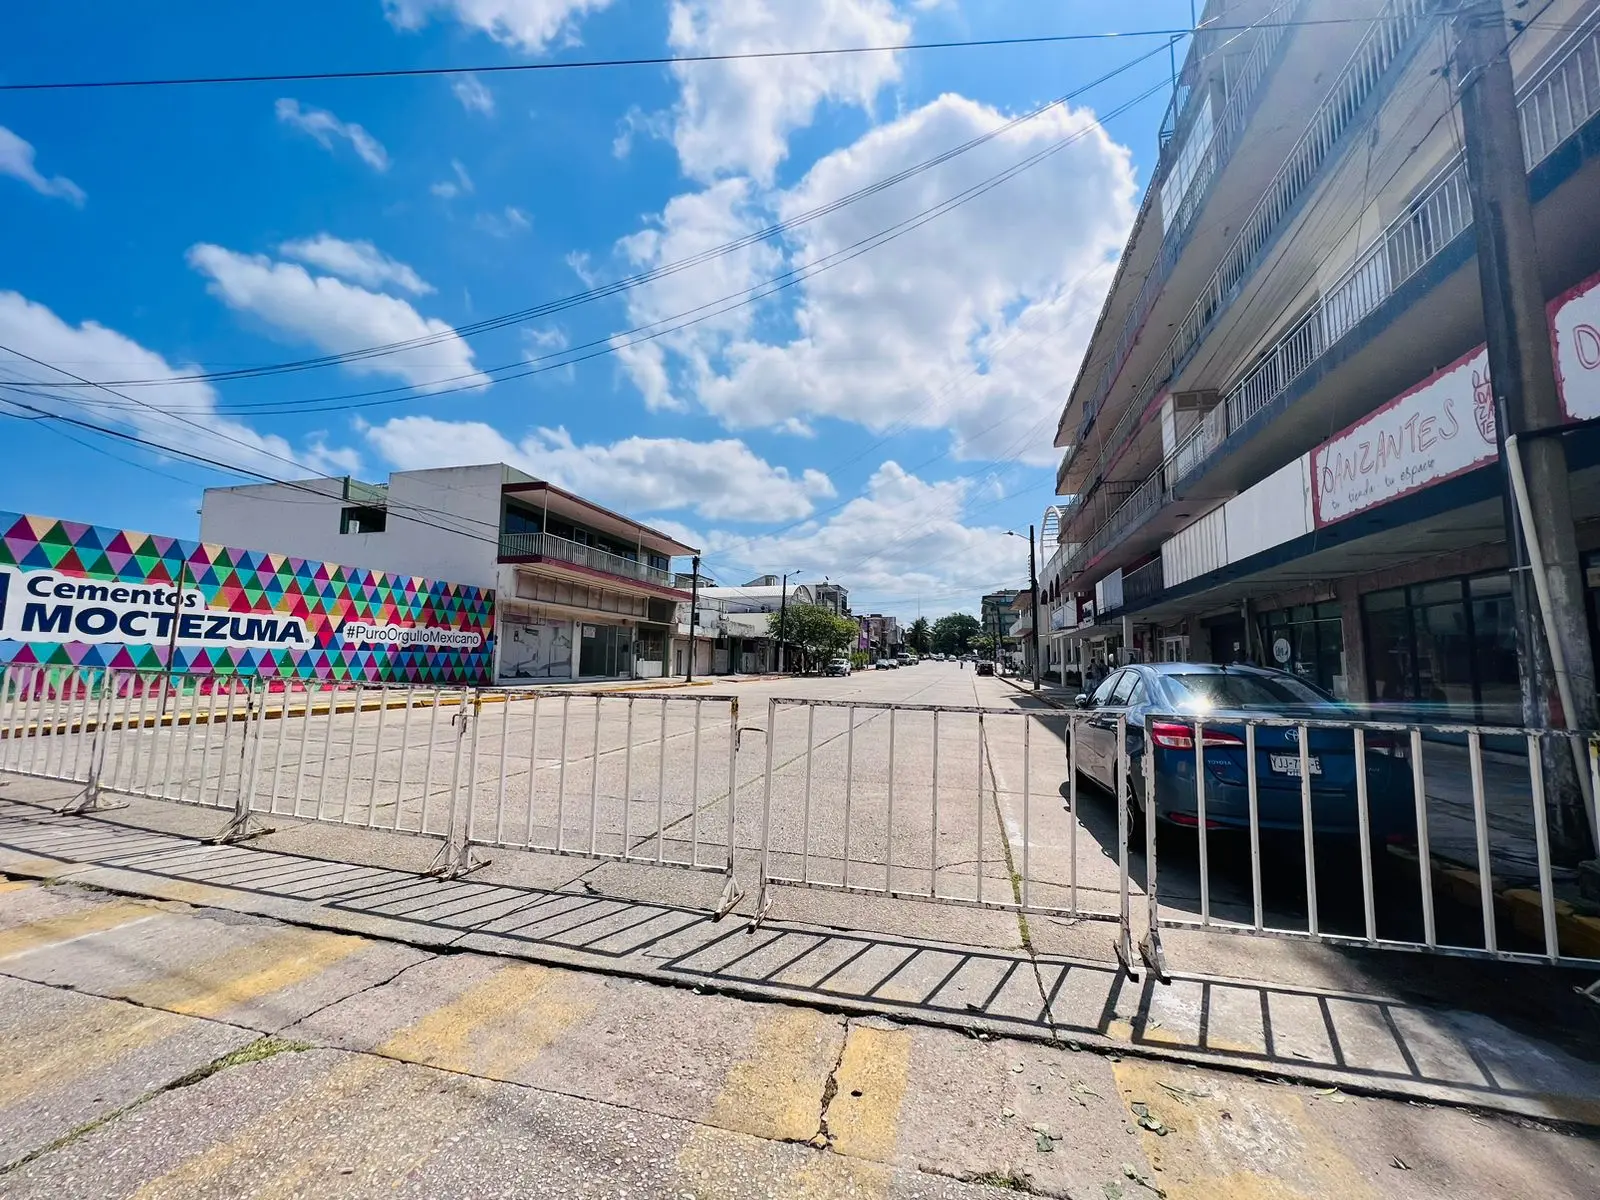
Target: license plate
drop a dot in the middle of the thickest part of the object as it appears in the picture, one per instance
(1289, 764)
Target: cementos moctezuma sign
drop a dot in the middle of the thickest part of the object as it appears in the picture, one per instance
(89, 596)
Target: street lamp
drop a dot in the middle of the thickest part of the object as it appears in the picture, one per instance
(1033, 587)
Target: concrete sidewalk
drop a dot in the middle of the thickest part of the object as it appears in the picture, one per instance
(1312, 1019)
(156, 1048)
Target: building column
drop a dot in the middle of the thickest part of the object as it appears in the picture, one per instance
(1355, 641)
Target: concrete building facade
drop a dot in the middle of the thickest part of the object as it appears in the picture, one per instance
(582, 593)
(1281, 446)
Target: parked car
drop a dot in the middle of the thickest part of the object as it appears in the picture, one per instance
(985, 667)
(907, 660)
(838, 667)
(885, 664)
(1223, 697)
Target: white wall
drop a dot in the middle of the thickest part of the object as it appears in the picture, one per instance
(1108, 592)
(1274, 511)
(1201, 547)
(443, 524)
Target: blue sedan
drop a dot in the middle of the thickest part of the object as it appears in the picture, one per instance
(1224, 697)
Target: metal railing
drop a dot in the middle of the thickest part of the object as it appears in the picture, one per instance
(937, 805)
(1246, 84)
(1556, 102)
(547, 545)
(1345, 793)
(629, 777)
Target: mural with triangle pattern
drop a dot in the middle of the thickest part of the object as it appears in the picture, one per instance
(321, 596)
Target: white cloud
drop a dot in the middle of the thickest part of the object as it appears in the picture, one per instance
(528, 25)
(181, 415)
(635, 122)
(338, 317)
(736, 116)
(509, 221)
(322, 125)
(16, 160)
(693, 224)
(461, 185)
(973, 322)
(721, 480)
(474, 97)
(903, 537)
(359, 262)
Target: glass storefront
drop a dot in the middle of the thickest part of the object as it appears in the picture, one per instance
(1446, 648)
(1308, 641)
(604, 651)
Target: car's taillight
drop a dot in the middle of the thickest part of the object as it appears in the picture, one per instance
(1392, 745)
(1171, 736)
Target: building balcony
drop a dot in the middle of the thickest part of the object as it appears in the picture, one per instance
(528, 547)
(1555, 104)
(1379, 57)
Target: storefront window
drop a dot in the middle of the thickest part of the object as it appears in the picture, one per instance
(1307, 641)
(1445, 649)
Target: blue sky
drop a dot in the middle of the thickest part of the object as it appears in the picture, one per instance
(882, 420)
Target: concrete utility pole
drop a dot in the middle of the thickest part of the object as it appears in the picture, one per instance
(1522, 369)
(783, 608)
(1038, 632)
(694, 616)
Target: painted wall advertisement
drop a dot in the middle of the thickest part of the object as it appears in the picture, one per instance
(91, 596)
(1446, 424)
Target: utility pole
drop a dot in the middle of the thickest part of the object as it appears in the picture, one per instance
(783, 608)
(1522, 371)
(694, 616)
(1038, 633)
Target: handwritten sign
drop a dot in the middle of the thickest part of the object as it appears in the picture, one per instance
(1440, 428)
(1575, 326)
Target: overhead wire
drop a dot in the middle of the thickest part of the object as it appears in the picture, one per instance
(651, 60)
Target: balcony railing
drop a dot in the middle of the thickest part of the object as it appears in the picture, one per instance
(1553, 105)
(1144, 584)
(1383, 46)
(547, 545)
(1224, 136)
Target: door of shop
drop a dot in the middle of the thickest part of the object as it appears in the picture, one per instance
(605, 651)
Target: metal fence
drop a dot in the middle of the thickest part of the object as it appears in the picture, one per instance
(941, 803)
(629, 777)
(1361, 824)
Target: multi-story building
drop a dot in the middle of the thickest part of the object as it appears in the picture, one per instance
(581, 592)
(833, 597)
(1281, 445)
(998, 620)
(748, 645)
(881, 636)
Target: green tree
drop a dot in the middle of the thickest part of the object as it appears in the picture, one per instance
(814, 635)
(982, 646)
(920, 636)
(954, 634)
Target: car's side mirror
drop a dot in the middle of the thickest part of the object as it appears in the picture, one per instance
(1083, 701)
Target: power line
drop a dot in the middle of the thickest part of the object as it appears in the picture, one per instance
(662, 60)
(610, 344)
(628, 283)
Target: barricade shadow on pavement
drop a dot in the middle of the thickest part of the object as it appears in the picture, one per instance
(1339, 1038)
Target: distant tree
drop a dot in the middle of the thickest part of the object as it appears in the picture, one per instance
(954, 634)
(982, 646)
(920, 636)
(814, 635)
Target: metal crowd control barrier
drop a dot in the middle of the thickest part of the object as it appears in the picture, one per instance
(645, 778)
(950, 823)
(1380, 813)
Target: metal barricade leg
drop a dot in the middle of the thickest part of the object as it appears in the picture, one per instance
(732, 893)
(1150, 945)
(1124, 944)
(456, 857)
(92, 798)
(244, 824)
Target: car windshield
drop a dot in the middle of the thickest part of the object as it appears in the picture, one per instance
(1218, 689)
